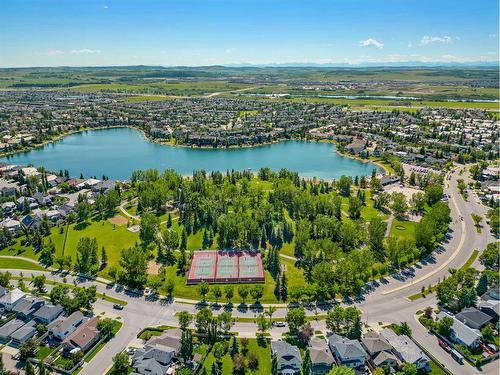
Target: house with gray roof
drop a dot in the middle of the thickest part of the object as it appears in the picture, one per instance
(405, 349)
(28, 306)
(347, 352)
(289, 361)
(9, 328)
(461, 333)
(63, 327)
(473, 317)
(24, 333)
(321, 356)
(153, 359)
(379, 350)
(48, 313)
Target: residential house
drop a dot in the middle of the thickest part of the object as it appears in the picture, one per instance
(289, 361)
(83, 337)
(9, 328)
(24, 333)
(63, 327)
(461, 333)
(347, 352)
(321, 356)
(405, 349)
(152, 359)
(48, 313)
(11, 298)
(379, 350)
(8, 208)
(28, 306)
(490, 304)
(473, 317)
(11, 225)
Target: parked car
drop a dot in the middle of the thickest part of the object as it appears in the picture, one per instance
(444, 345)
(117, 306)
(279, 324)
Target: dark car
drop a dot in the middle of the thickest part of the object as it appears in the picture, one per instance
(117, 306)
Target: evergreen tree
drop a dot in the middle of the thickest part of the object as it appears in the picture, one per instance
(306, 364)
(29, 369)
(284, 287)
(184, 239)
(186, 352)
(169, 220)
(277, 289)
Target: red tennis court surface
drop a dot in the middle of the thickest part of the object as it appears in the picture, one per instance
(226, 266)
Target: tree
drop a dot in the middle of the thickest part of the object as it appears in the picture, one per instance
(355, 206)
(135, 263)
(169, 287)
(490, 257)
(184, 239)
(186, 352)
(253, 361)
(307, 364)
(283, 287)
(83, 210)
(185, 319)
(39, 283)
(41, 369)
(376, 233)
(106, 327)
(154, 284)
(257, 291)
(28, 348)
(270, 312)
(403, 329)
(344, 185)
(29, 369)
(344, 321)
(417, 202)
(262, 323)
(243, 292)
(203, 289)
(120, 364)
(476, 219)
(86, 256)
(5, 278)
(295, 318)
(341, 370)
(229, 292)
(149, 227)
(399, 205)
(410, 369)
(104, 258)
(217, 293)
(433, 193)
(444, 326)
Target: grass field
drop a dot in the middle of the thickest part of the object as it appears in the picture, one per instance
(19, 264)
(261, 348)
(402, 229)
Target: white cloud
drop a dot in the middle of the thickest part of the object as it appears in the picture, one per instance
(435, 39)
(448, 57)
(228, 51)
(85, 50)
(105, 7)
(54, 53)
(370, 42)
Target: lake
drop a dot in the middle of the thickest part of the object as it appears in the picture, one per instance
(117, 152)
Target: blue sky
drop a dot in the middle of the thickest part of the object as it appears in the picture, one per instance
(207, 32)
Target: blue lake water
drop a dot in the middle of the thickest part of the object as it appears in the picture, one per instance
(117, 152)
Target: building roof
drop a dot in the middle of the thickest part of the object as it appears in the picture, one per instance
(28, 305)
(63, 324)
(285, 352)
(464, 333)
(48, 311)
(374, 343)
(381, 357)
(321, 356)
(170, 338)
(10, 327)
(346, 348)
(405, 346)
(471, 314)
(26, 331)
(12, 296)
(84, 334)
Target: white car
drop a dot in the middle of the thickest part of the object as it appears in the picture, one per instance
(279, 324)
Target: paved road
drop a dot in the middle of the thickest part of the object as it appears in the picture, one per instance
(387, 302)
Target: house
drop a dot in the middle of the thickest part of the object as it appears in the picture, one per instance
(490, 304)
(24, 333)
(28, 306)
(83, 337)
(405, 349)
(171, 338)
(11, 225)
(473, 317)
(389, 180)
(321, 356)
(8, 207)
(42, 199)
(11, 298)
(347, 352)
(289, 361)
(48, 313)
(63, 327)
(461, 333)
(379, 350)
(152, 360)
(9, 328)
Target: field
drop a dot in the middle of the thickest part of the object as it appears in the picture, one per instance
(433, 87)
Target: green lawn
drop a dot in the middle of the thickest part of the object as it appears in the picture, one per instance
(19, 264)
(263, 350)
(402, 229)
